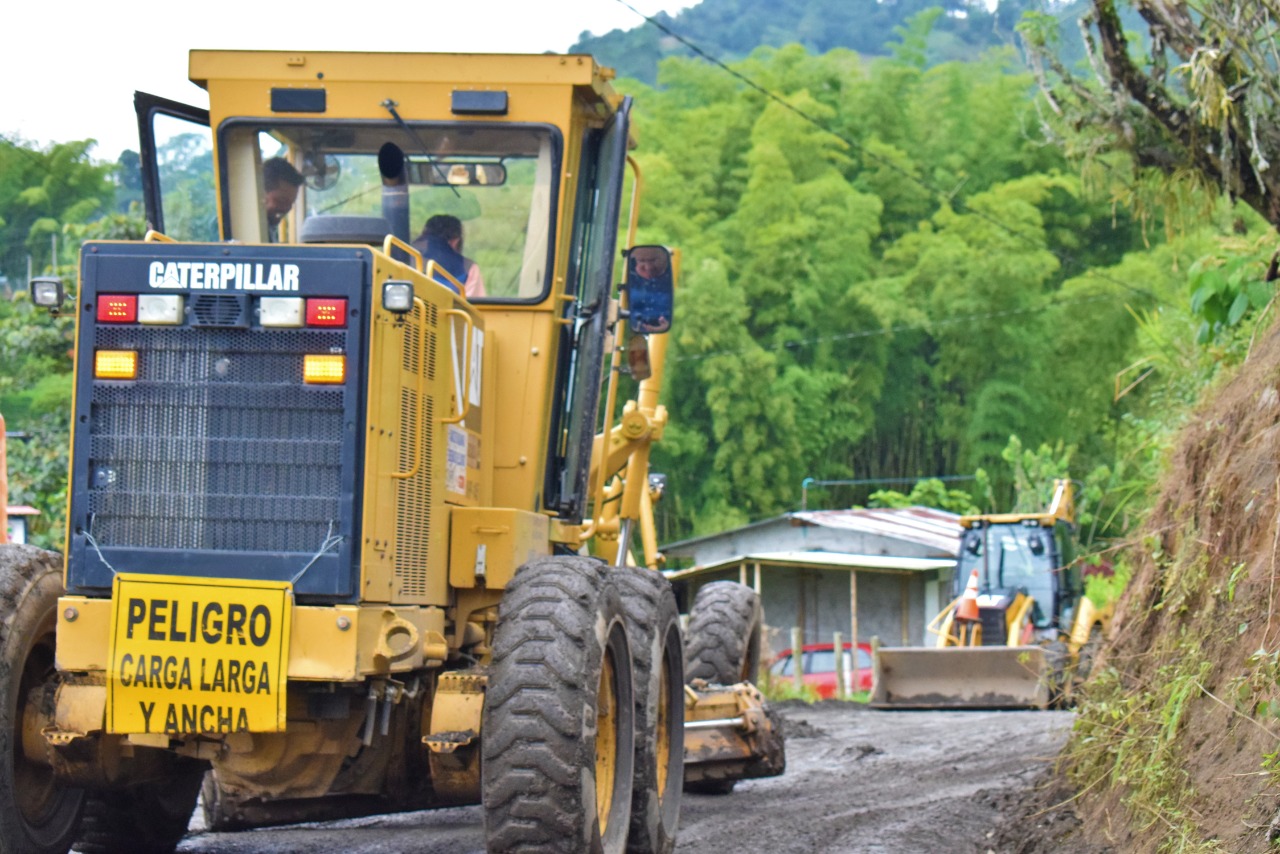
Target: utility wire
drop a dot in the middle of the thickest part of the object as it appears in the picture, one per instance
(905, 327)
(1065, 259)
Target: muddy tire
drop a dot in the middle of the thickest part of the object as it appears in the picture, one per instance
(37, 813)
(1057, 659)
(558, 721)
(657, 656)
(722, 644)
(145, 818)
(1088, 654)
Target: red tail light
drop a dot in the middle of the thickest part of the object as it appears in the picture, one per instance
(117, 308)
(327, 312)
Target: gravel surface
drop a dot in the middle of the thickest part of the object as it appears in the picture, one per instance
(858, 781)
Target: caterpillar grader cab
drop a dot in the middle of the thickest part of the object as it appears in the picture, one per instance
(1018, 628)
(331, 504)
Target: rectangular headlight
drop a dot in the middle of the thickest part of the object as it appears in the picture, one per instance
(397, 297)
(160, 309)
(281, 311)
(47, 292)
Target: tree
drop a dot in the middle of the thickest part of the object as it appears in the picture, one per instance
(41, 189)
(1198, 101)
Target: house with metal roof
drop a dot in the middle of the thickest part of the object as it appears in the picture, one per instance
(866, 572)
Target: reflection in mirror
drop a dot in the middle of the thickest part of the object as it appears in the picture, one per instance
(638, 364)
(321, 170)
(438, 173)
(649, 293)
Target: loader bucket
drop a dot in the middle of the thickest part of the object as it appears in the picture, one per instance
(979, 677)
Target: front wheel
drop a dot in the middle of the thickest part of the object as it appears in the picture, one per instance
(559, 715)
(722, 645)
(37, 812)
(653, 628)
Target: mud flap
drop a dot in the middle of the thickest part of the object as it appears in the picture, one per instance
(983, 677)
(730, 734)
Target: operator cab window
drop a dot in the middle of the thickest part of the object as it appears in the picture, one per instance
(498, 180)
(1025, 564)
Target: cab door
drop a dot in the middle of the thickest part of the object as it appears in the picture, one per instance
(576, 415)
(176, 157)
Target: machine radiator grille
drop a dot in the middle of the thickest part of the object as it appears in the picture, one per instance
(218, 445)
(417, 425)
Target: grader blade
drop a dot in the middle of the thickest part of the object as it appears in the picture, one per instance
(730, 734)
(982, 677)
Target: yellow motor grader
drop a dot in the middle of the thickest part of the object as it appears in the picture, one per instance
(1019, 629)
(330, 503)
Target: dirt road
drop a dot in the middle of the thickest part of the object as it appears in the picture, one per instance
(857, 782)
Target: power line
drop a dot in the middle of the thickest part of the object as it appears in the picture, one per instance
(906, 327)
(1063, 258)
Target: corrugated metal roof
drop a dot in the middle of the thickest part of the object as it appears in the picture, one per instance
(835, 560)
(935, 528)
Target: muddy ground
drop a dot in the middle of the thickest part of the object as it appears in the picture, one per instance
(857, 781)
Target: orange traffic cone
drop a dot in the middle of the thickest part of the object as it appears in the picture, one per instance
(967, 607)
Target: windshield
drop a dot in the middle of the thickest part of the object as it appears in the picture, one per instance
(494, 183)
(1010, 557)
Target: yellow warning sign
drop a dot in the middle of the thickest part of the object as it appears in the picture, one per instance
(197, 655)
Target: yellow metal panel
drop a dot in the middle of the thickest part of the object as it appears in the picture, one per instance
(404, 552)
(321, 648)
(525, 364)
(83, 628)
(488, 544)
(302, 67)
(342, 643)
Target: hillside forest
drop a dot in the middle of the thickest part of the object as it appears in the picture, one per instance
(893, 269)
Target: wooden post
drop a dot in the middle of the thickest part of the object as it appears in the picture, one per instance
(742, 573)
(853, 628)
(756, 580)
(797, 657)
(838, 645)
(906, 609)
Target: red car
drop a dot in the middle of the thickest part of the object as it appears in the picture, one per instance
(820, 667)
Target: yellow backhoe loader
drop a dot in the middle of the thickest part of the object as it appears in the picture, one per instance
(1019, 629)
(331, 501)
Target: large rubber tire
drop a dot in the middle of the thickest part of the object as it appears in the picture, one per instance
(722, 644)
(1088, 653)
(37, 813)
(657, 656)
(146, 818)
(558, 724)
(1057, 659)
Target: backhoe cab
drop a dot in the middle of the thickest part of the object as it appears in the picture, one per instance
(335, 472)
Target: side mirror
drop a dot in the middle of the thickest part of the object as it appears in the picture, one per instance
(650, 300)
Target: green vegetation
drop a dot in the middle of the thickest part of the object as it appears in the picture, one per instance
(778, 688)
(899, 286)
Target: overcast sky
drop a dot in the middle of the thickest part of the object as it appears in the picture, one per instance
(69, 69)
